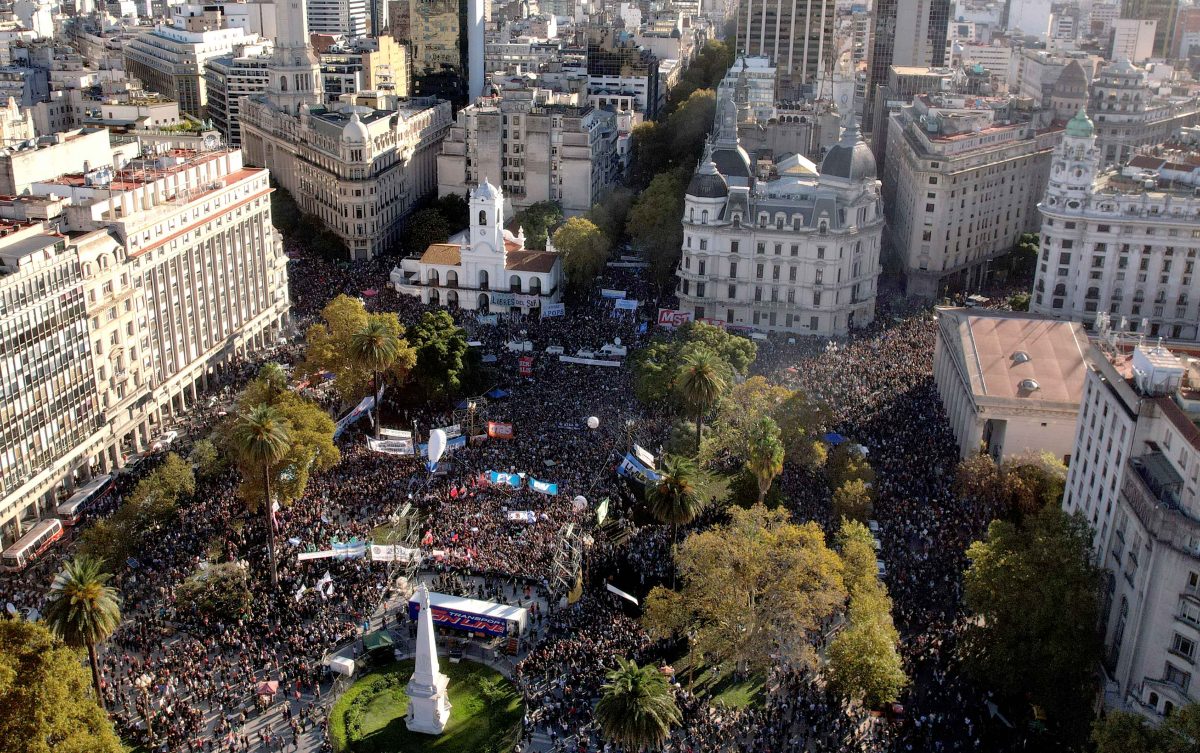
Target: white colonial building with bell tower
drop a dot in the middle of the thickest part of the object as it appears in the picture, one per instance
(360, 165)
(485, 268)
(1121, 241)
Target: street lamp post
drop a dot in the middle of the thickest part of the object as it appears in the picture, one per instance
(143, 682)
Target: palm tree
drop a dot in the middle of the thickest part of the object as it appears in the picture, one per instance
(274, 378)
(637, 708)
(700, 383)
(375, 347)
(83, 610)
(261, 438)
(676, 497)
(764, 457)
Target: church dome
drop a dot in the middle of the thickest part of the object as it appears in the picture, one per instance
(707, 183)
(1080, 126)
(485, 191)
(850, 158)
(355, 131)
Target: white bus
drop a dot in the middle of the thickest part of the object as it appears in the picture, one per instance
(32, 545)
(73, 508)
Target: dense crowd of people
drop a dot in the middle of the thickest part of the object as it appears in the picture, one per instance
(199, 678)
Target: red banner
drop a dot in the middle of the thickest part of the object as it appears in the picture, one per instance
(673, 317)
(497, 430)
(525, 366)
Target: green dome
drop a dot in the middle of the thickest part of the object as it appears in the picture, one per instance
(1080, 126)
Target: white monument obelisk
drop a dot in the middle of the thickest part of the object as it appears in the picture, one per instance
(428, 704)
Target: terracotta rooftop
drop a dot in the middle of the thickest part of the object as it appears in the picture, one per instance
(530, 261)
(447, 254)
(519, 259)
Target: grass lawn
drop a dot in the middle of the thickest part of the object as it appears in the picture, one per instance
(369, 717)
(721, 687)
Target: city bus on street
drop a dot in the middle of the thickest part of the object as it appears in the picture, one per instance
(84, 498)
(32, 545)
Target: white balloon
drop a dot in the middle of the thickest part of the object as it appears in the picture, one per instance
(616, 341)
(579, 504)
(593, 422)
(437, 445)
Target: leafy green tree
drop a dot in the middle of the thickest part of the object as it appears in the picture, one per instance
(1035, 592)
(611, 213)
(45, 706)
(205, 459)
(1127, 732)
(656, 366)
(852, 500)
(152, 503)
(858, 556)
(331, 348)
(425, 228)
(1019, 301)
(261, 437)
(656, 223)
(377, 348)
(764, 454)
(677, 497)
(637, 706)
(221, 589)
(539, 220)
(689, 125)
(1015, 489)
(584, 250)
(455, 208)
(1024, 256)
(748, 401)
(847, 463)
(1124, 732)
(864, 662)
(83, 610)
(701, 382)
(753, 589)
(651, 155)
(442, 353)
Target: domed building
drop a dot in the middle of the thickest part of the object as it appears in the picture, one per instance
(781, 246)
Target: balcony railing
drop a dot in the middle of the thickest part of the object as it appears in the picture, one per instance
(1161, 517)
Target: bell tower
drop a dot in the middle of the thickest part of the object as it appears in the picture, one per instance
(1076, 159)
(295, 74)
(487, 220)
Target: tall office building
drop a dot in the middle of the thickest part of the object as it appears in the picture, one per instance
(446, 42)
(351, 18)
(1135, 477)
(796, 37)
(126, 282)
(907, 33)
(1165, 12)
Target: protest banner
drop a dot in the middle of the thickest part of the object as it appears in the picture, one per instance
(499, 430)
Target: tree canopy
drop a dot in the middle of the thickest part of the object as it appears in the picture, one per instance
(637, 706)
(153, 502)
(45, 702)
(764, 454)
(443, 356)
(657, 366)
(1036, 594)
(752, 588)
(426, 227)
(1020, 486)
(1129, 732)
(611, 213)
(331, 348)
(310, 449)
(864, 662)
(584, 248)
(800, 424)
(655, 223)
(539, 220)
